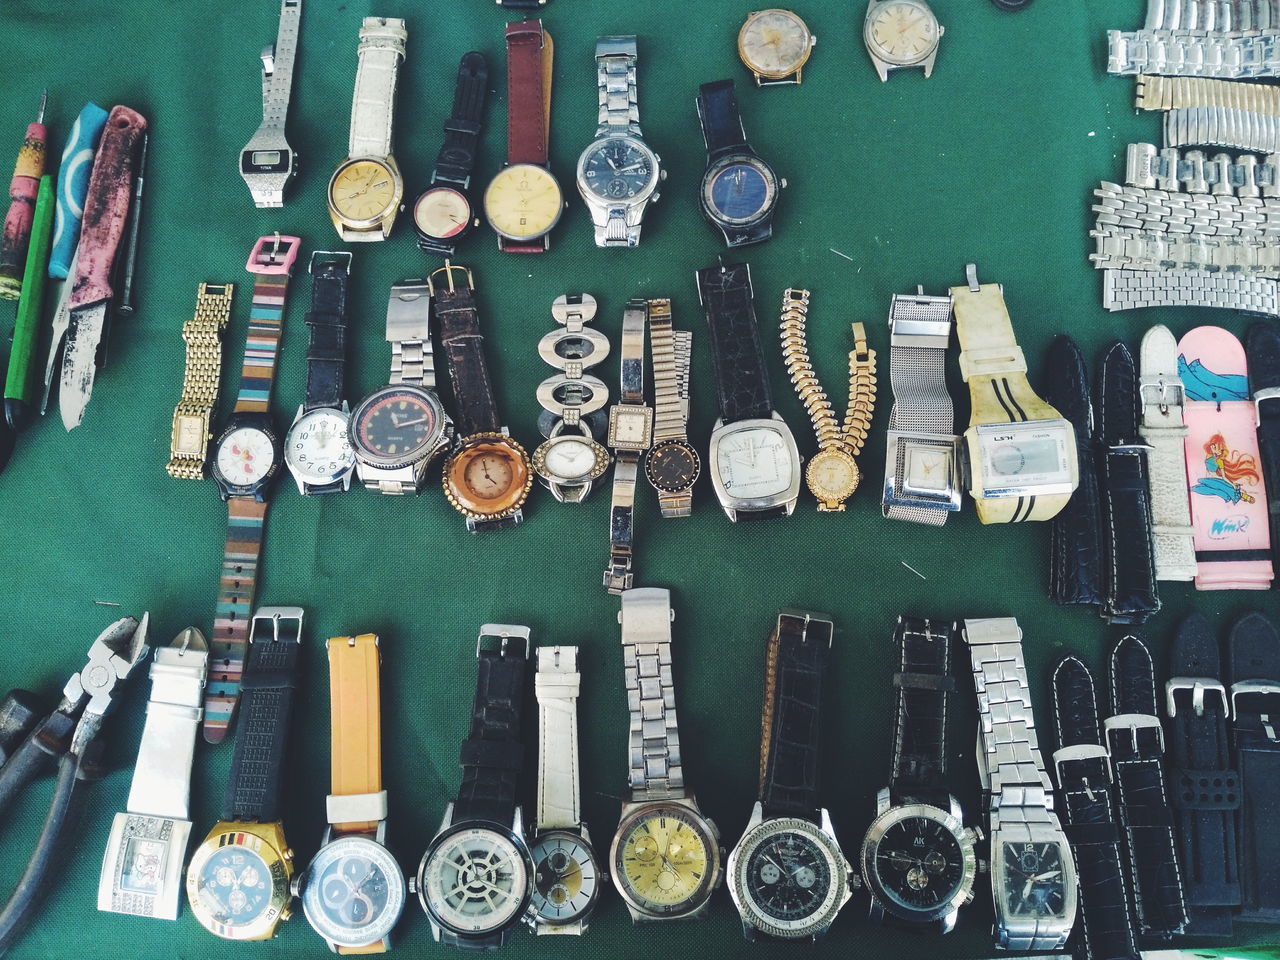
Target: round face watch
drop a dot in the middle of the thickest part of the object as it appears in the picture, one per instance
(832, 474)
(364, 191)
(665, 860)
(442, 213)
(570, 458)
(488, 477)
(475, 880)
(739, 189)
(754, 463)
(318, 446)
(394, 425)
(354, 892)
(789, 878)
(901, 32)
(566, 880)
(523, 202)
(774, 43)
(246, 458)
(618, 168)
(919, 862)
(672, 466)
(237, 890)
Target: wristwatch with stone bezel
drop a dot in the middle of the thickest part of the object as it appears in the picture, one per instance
(739, 190)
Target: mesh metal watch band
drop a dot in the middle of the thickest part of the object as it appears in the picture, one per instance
(655, 766)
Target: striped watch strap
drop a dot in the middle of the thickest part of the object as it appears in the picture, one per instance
(262, 345)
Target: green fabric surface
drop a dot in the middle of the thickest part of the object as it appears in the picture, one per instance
(991, 161)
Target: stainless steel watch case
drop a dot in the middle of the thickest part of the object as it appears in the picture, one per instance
(373, 467)
(578, 922)
(1028, 933)
(758, 223)
(733, 505)
(973, 439)
(300, 476)
(632, 209)
(902, 444)
(162, 902)
(570, 489)
(303, 889)
(633, 810)
(885, 64)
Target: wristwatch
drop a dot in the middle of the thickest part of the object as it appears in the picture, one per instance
(788, 878)
(523, 202)
(665, 854)
(142, 865)
(630, 435)
(202, 334)
(672, 465)
(353, 890)
(922, 457)
(246, 459)
(488, 475)
(900, 34)
(317, 448)
(566, 875)
(618, 173)
(239, 879)
(442, 214)
(918, 859)
(571, 459)
(366, 189)
(739, 190)
(1022, 452)
(475, 880)
(755, 464)
(397, 430)
(775, 45)
(1033, 875)
(267, 162)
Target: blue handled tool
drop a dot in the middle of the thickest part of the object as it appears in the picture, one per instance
(73, 184)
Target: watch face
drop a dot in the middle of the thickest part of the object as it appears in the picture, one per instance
(566, 880)
(1033, 883)
(442, 213)
(246, 456)
(754, 463)
(665, 860)
(1029, 458)
(265, 161)
(672, 466)
(618, 168)
(364, 191)
(832, 474)
(318, 447)
(354, 891)
(630, 426)
(789, 878)
(475, 880)
(739, 189)
(901, 31)
(774, 43)
(918, 866)
(396, 425)
(237, 886)
(570, 458)
(488, 477)
(523, 202)
(143, 866)
(929, 468)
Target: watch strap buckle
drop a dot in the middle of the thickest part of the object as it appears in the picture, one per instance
(447, 270)
(276, 624)
(278, 261)
(1168, 393)
(1256, 687)
(1266, 393)
(1199, 686)
(325, 258)
(1133, 722)
(501, 637)
(1081, 752)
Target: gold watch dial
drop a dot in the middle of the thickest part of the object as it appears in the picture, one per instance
(832, 476)
(774, 43)
(523, 202)
(902, 31)
(363, 190)
(664, 860)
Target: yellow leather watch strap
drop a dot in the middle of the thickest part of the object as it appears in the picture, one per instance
(356, 722)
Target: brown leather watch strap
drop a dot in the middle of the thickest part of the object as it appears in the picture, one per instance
(476, 410)
(529, 58)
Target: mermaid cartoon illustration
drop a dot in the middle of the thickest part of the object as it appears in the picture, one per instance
(1228, 471)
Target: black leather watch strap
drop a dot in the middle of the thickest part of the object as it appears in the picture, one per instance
(1108, 930)
(742, 381)
(922, 684)
(457, 157)
(492, 754)
(1130, 580)
(1075, 537)
(1253, 658)
(720, 119)
(522, 4)
(791, 721)
(266, 704)
(1206, 790)
(1262, 347)
(1135, 741)
(475, 409)
(327, 322)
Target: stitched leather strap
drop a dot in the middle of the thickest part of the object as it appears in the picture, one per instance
(922, 684)
(529, 58)
(492, 754)
(373, 104)
(559, 789)
(355, 738)
(721, 121)
(791, 721)
(742, 382)
(457, 158)
(327, 321)
(475, 409)
(1164, 430)
(1262, 346)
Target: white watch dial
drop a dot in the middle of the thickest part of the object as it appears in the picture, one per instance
(1034, 457)
(928, 468)
(902, 31)
(754, 463)
(565, 877)
(245, 456)
(476, 880)
(570, 459)
(354, 891)
(319, 446)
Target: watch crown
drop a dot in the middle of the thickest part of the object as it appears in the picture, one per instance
(285, 914)
(983, 866)
(413, 884)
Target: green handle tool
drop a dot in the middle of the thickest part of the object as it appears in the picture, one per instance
(26, 330)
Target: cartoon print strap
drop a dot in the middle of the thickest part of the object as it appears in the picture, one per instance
(1224, 468)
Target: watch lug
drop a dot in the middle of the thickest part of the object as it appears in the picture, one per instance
(928, 64)
(825, 824)
(748, 932)
(954, 808)
(446, 821)
(882, 69)
(757, 815)
(876, 912)
(517, 822)
(948, 923)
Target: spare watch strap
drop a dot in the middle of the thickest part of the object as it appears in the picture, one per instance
(922, 683)
(721, 121)
(742, 381)
(656, 770)
(1135, 743)
(271, 675)
(492, 755)
(1130, 584)
(1075, 534)
(1108, 928)
(522, 4)
(409, 333)
(616, 59)
(202, 335)
(1262, 346)
(922, 415)
(357, 803)
(1206, 790)
(796, 657)
(457, 157)
(277, 81)
(530, 53)
(373, 105)
(327, 321)
(271, 262)
(454, 305)
(1253, 658)
(556, 684)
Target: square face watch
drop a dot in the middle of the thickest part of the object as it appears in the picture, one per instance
(756, 464)
(1034, 880)
(1036, 457)
(924, 471)
(630, 427)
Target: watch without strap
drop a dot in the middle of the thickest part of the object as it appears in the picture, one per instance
(366, 189)
(630, 435)
(672, 465)
(1164, 431)
(900, 34)
(442, 214)
(788, 878)
(353, 890)
(142, 865)
(1262, 346)
(665, 855)
(775, 45)
(1022, 460)
(755, 463)
(317, 448)
(267, 162)
(189, 442)
(246, 459)
(739, 190)
(238, 882)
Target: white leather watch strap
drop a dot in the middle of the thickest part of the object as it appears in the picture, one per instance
(382, 43)
(556, 684)
(1162, 427)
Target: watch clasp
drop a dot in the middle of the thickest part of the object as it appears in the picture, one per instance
(506, 635)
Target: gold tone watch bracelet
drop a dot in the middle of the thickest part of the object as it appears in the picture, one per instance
(189, 442)
(1178, 93)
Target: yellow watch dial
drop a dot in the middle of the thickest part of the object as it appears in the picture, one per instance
(523, 202)
(664, 860)
(363, 190)
(832, 476)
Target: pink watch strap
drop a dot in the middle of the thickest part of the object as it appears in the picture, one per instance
(1224, 469)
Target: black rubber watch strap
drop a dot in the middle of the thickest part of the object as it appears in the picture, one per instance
(720, 119)
(742, 381)
(492, 754)
(522, 4)
(475, 409)
(327, 322)
(1262, 347)
(457, 157)
(1254, 666)
(791, 722)
(1206, 790)
(922, 684)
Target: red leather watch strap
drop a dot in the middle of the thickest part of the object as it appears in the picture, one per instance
(529, 57)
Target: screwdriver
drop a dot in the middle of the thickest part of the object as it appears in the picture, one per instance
(22, 191)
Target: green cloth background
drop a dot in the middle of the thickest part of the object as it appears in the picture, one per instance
(992, 160)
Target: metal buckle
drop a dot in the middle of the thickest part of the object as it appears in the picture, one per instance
(1081, 751)
(1266, 393)
(1133, 722)
(279, 262)
(504, 634)
(1198, 686)
(447, 270)
(323, 258)
(806, 617)
(1247, 687)
(1164, 398)
(275, 616)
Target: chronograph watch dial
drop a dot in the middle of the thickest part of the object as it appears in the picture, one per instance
(901, 33)
(775, 45)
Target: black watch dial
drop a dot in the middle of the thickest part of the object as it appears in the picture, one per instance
(672, 466)
(788, 877)
(617, 169)
(919, 864)
(394, 423)
(1034, 880)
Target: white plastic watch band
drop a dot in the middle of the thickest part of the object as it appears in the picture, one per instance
(988, 347)
(162, 776)
(382, 43)
(1162, 427)
(556, 684)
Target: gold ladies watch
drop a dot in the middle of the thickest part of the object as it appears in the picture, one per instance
(189, 442)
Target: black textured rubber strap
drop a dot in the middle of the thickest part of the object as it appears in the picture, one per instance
(1130, 579)
(475, 409)
(1206, 790)
(1135, 741)
(457, 157)
(327, 322)
(270, 678)
(922, 684)
(1253, 660)
(492, 754)
(522, 4)
(1107, 928)
(742, 381)
(791, 721)
(720, 119)
(1075, 534)
(1262, 347)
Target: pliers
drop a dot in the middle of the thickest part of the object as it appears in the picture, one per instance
(66, 738)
